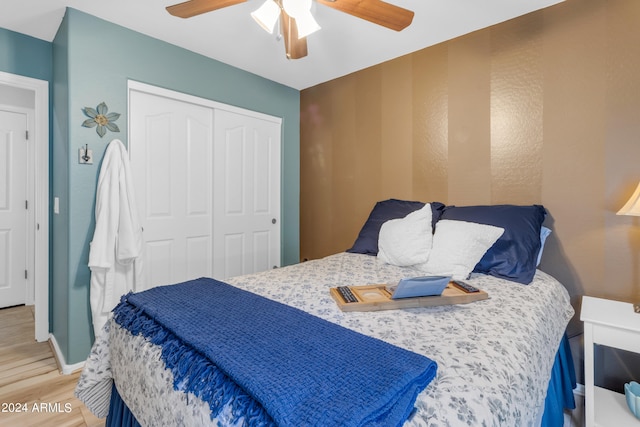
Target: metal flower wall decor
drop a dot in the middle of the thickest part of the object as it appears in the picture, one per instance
(101, 118)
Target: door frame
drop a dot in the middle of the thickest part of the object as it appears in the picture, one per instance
(38, 222)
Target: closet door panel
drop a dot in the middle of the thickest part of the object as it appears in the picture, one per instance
(157, 189)
(170, 148)
(246, 194)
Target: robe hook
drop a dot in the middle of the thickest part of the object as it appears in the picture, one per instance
(86, 157)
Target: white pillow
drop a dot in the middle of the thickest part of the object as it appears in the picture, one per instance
(406, 241)
(458, 246)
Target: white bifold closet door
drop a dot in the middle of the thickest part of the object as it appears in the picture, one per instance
(246, 204)
(207, 185)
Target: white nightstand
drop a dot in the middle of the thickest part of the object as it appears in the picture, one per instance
(614, 324)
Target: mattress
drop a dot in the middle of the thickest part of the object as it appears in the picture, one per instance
(494, 356)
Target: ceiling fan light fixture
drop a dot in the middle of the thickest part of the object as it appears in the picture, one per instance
(296, 19)
(306, 24)
(267, 15)
(300, 10)
(295, 8)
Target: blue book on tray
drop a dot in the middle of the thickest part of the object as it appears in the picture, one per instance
(419, 286)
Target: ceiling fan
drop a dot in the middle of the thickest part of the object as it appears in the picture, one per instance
(295, 17)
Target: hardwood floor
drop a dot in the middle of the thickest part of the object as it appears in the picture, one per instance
(32, 390)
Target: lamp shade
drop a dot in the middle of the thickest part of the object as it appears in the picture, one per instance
(300, 10)
(295, 8)
(267, 15)
(306, 24)
(632, 207)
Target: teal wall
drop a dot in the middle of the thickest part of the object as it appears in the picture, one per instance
(93, 59)
(25, 55)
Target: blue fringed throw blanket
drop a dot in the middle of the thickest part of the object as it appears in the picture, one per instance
(222, 343)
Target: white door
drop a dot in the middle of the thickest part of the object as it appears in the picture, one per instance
(208, 190)
(246, 207)
(170, 150)
(13, 212)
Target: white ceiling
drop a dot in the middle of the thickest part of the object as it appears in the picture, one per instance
(344, 44)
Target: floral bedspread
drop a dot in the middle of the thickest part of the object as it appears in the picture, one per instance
(494, 356)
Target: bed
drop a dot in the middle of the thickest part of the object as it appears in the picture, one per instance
(501, 361)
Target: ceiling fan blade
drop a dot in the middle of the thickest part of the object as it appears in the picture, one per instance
(196, 7)
(295, 48)
(376, 11)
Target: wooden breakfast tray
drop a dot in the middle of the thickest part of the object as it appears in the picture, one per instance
(376, 297)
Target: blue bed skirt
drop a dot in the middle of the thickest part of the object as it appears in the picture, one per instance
(559, 394)
(561, 385)
(119, 413)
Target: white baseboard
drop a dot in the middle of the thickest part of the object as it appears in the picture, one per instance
(62, 364)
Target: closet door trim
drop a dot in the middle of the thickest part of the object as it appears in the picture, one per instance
(180, 96)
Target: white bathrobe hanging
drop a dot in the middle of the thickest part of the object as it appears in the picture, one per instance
(115, 253)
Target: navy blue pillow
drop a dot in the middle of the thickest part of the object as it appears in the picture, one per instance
(367, 241)
(514, 255)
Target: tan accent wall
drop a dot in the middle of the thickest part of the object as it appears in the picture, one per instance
(542, 109)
